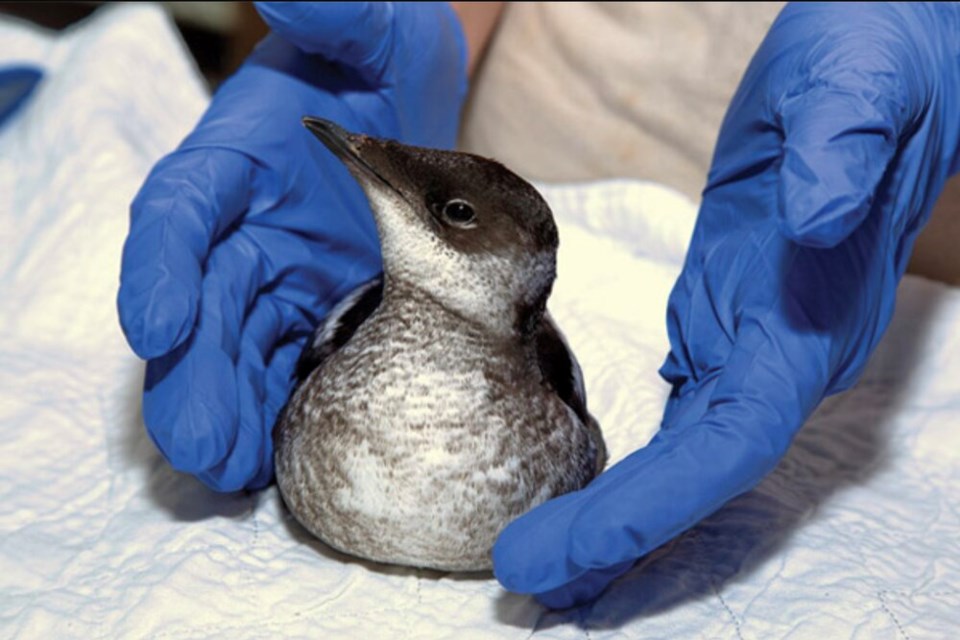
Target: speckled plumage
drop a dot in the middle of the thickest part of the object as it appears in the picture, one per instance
(421, 430)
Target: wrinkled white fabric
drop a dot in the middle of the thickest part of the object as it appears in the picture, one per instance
(854, 534)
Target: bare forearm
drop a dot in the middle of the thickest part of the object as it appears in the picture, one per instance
(479, 21)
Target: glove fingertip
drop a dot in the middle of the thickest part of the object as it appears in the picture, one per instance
(353, 33)
(510, 561)
(243, 467)
(195, 445)
(531, 554)
(153, 329)
(826, 192)
(837, 149)
(281, 14)
(585, 588)
(515, 565)
(189, 406)
(17, 84)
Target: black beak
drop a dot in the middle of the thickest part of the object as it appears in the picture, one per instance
(348, 147)
(333, 136)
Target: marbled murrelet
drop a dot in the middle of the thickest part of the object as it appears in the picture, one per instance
(440, 402)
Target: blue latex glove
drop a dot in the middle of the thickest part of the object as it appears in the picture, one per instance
(17, 83)
(832, 153)
(243, 238)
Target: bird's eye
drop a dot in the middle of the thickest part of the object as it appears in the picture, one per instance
(459, 212)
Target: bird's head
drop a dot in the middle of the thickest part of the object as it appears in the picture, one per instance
(463, 229)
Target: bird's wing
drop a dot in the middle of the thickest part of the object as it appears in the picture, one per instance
(560, 368)
(562, 372)
(339, 325)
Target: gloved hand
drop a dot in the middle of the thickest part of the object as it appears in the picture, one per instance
(17, 83)
(244, 237)
(833, 151)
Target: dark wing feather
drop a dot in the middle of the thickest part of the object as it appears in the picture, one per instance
(339, 325)
(560, 368)
(562, 372)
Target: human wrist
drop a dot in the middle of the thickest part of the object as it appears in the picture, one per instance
(479, 21)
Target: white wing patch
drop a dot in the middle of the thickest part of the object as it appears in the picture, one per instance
(334, 319)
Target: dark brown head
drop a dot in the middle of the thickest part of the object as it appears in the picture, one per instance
(464, 229)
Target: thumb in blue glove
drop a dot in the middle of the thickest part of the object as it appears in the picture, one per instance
(833, 151)
(243, 238)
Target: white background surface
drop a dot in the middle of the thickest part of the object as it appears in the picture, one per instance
(854, 535)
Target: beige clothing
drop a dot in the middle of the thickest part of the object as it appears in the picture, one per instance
(585, 90)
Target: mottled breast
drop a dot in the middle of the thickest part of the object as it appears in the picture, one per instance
(419, 440)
